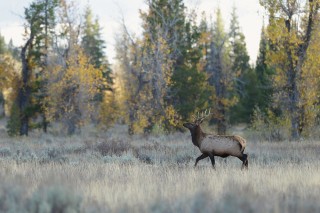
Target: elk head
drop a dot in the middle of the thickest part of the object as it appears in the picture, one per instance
(195, 129)
(192, 126)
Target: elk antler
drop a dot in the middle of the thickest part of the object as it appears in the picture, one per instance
(200, 117)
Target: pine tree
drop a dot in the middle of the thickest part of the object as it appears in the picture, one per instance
(3, 46)
(264, 74)
(39, 23)
(14, 51)
(94, 46)
(189, 87)
(238, 54)
(257, 87)
(162, 71)
(218, 67)
(240, 68)
(163, 26)
(92, 42)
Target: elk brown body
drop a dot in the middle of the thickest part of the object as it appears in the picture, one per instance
(216, 145)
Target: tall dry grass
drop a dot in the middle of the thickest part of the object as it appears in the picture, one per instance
(153, 174)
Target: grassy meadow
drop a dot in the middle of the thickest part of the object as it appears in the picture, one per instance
(112, 172)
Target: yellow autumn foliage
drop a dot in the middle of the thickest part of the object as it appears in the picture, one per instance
(288, 40)
(71, 89)
(9, 77)
(8, 71)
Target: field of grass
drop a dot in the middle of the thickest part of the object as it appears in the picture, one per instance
(112, 172)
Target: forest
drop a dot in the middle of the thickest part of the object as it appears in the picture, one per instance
(181, 64)
(80, 132)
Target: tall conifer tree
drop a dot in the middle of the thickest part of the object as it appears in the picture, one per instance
(221, 77)
(240, 67)
(94, 48)
(39, 23)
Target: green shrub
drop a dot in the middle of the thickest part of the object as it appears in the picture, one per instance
(113, 147)
(5, 152)
(268, 126)
(13, 125)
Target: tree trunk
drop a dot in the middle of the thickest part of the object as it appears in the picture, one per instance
(222, 126)
(302, 119)
(218, 81)
(293, 106)
(71, 126)
(44, 82)
(293, 93)
(131, 122)
(24, 90)
(293, 96)
(44, 123)
(3, 103)
(24, 96)
(24, 125)
(295, 69)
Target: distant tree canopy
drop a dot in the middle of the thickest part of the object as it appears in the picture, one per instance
(52, 60)
(181, 67)
(182, 63)
(294, 51)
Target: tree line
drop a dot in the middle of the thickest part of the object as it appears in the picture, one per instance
(182, 63)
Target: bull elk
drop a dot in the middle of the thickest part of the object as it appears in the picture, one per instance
(216, 145)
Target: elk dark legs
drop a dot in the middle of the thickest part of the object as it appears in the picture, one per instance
(200, 158)
(244, 160)
(212, 160)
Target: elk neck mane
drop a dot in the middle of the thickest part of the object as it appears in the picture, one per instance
(197, 136)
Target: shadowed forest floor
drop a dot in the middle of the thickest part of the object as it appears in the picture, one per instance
(112, 172)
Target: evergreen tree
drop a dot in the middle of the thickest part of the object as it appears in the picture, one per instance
(240, 67)
(13, 124)
(164, 78)
(238, 52)
(257, 87)
(220, 74)
(189, 81)
(39, 23)
(14, 51)
(264, 74)
(94, 46)
(92, 42)
(163, 26)
(3, 46)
